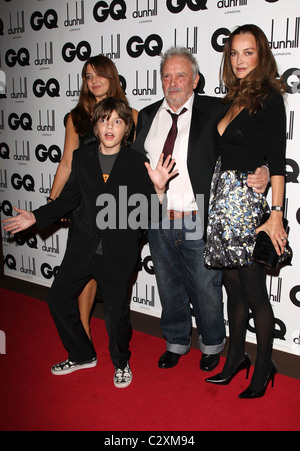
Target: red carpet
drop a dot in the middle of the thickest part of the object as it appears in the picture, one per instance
(178, 399)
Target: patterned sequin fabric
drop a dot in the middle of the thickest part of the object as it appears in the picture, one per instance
(235, 211)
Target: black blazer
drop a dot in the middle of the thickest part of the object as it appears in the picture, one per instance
(120, 246)
(202, 147)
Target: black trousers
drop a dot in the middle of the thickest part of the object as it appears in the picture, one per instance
(63, 304)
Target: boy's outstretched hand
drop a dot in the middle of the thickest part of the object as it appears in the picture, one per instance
(162, 173)
(20, 222)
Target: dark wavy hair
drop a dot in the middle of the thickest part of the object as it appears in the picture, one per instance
(104, 110)
(82, 113)
(251, 91)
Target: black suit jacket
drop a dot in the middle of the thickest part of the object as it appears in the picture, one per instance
(120, 246)
(202, 147)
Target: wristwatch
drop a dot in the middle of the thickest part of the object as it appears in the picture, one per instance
(276, 208)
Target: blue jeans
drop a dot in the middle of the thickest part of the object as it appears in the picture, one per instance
(177, 251)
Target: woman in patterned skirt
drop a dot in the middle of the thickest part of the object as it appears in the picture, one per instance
(251, 133)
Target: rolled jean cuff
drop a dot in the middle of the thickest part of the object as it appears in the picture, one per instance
(211, 349)
(178, 349)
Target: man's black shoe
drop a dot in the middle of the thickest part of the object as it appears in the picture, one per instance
(168, 360)
(209, 362)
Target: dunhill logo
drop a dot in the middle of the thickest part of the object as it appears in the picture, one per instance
(30, 269)
(147, 299)
(3, 178)
(115, 53)
(22, 93)
(290, 132)
(2, 85)
(6, 237)
(193, 48)
(48, 55)
(287, 43)
(27, 205)
(43, 189)
(78, 20)
(146, 91)
(25, 156)
(49, 126)
(74, 92)
(54, 249)
(20, 28)
(277, 296)
(138, 13)
(231, 3)
(1, 120)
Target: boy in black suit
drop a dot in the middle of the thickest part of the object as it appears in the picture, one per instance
(105, 239)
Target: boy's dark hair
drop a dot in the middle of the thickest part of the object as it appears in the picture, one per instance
(105, 108)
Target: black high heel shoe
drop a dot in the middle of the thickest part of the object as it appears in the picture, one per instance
(252, 394)
(218, 379)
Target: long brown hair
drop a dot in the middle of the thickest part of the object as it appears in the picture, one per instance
(82, 113)
(260, 82)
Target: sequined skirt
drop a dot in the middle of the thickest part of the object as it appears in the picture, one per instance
(235, 211)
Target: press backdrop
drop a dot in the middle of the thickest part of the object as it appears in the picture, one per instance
(44, 44)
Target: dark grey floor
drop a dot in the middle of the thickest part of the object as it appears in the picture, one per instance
(287, 364)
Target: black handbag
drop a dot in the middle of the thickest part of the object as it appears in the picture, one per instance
(264, 251)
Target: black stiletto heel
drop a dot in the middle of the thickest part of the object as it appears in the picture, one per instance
(252, 394)
(244, 365)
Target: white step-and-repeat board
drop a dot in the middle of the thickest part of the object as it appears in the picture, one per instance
(44, 44)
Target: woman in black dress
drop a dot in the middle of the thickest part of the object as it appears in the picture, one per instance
(251, 133)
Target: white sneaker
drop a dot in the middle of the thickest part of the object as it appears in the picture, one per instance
(123, 378)
(68, 367)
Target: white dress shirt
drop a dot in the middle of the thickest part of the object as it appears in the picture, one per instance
(180, 192)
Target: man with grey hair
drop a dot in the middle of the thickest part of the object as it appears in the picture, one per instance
(177, 245)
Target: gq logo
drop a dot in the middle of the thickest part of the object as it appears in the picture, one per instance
(176, 6)
(10, 262)
(82, 51)
(293, 295)
(51, 87)
(6, 208)
(153, 46)
(291, 78)
(148, 265)
(279, 332)
(117, 10)
(28, 238)
(53, 153)
(26, 182)
(49, 19)
(24, 121)
(48, 272)
(4, 151)
(292, 176)
(219, 38)
(21, 57)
